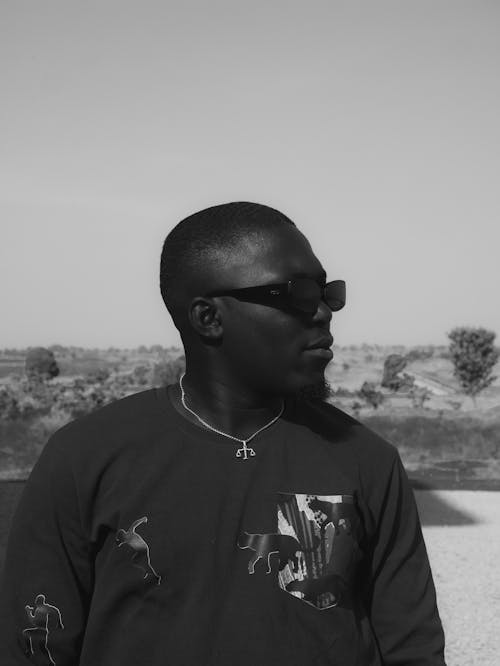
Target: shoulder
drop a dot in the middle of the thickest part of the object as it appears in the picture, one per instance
(374, 462)
(125, 420)
(346, 432)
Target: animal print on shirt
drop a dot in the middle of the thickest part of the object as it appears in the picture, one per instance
(316, 544)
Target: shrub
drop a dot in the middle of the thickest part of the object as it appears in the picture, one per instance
(356, 407)
(9, 405)
(141, 374)
(420, 353)
(168, 371)
(394, 364)
(41, 364)
(369, 393)
(98, 375)
(419, 395)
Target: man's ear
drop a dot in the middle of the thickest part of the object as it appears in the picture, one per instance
(205, 317)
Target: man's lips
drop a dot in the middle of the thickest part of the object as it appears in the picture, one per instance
(320, 351)
(325, 342)
(321, 347)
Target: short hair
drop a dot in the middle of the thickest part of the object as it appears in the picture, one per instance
(206, 236)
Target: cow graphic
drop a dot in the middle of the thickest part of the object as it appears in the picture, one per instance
(265, 545)
(140, 548)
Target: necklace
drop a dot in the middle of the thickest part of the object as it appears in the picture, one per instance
(245, 451)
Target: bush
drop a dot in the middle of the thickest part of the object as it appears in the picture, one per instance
(168, 371)
(9, 405)
(41, 364)
(141, 375)
(420, 353)
(98, 375)
(369, 393)
(392, 379)
(419, 396)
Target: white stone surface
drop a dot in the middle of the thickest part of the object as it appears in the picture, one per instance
(465, 559)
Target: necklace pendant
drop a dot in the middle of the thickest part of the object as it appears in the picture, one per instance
(244, 451)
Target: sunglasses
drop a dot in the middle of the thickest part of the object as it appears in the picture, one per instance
(304, 294)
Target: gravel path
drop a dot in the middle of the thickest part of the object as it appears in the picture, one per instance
(463, 543)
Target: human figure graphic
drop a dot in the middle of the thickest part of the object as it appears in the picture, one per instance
(37, 635)
(140, 558)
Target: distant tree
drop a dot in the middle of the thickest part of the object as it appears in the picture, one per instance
(420, 353)
(57, 349)
(394, 364)
(419, 396)
(98, 375)
(455, 404)
(474, 356)
(40, 363)
(9, 405)
(141, 374)
(371, 395)
(156, 349)
(356, 407)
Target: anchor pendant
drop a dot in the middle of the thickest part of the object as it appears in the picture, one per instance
(244, 451)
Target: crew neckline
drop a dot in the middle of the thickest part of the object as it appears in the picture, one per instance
(198, 431)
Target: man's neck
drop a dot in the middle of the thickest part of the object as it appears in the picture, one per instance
(225, 409)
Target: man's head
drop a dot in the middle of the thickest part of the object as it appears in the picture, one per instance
(260, 346)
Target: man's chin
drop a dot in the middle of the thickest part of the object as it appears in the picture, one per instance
(318, 391)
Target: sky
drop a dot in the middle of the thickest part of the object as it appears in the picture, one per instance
(373, 125)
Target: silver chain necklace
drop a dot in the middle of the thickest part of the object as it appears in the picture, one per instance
(245, 451)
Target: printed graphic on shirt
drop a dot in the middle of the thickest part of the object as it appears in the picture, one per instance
(139, 548)
(315, 544)
(264, 545)
(325, 526)
(42, 616)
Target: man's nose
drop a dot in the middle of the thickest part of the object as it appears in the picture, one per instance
(323, 314)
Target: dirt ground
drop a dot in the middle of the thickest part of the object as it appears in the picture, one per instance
(462, 532)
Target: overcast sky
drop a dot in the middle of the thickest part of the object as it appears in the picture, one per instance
(374, 125)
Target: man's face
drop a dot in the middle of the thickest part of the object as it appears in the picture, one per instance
(265, 347)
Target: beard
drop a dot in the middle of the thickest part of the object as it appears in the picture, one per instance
(318, 392)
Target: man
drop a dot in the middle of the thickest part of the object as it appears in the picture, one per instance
(235, 517)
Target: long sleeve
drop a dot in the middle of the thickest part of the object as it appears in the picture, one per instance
(47, 581)
(402, 598)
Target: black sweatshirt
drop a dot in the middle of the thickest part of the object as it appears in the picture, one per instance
(143, 539)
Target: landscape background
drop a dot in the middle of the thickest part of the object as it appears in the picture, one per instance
(444, 437)
(374, 126)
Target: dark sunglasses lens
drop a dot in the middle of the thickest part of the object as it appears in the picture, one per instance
(335, 295)
(304, 294)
